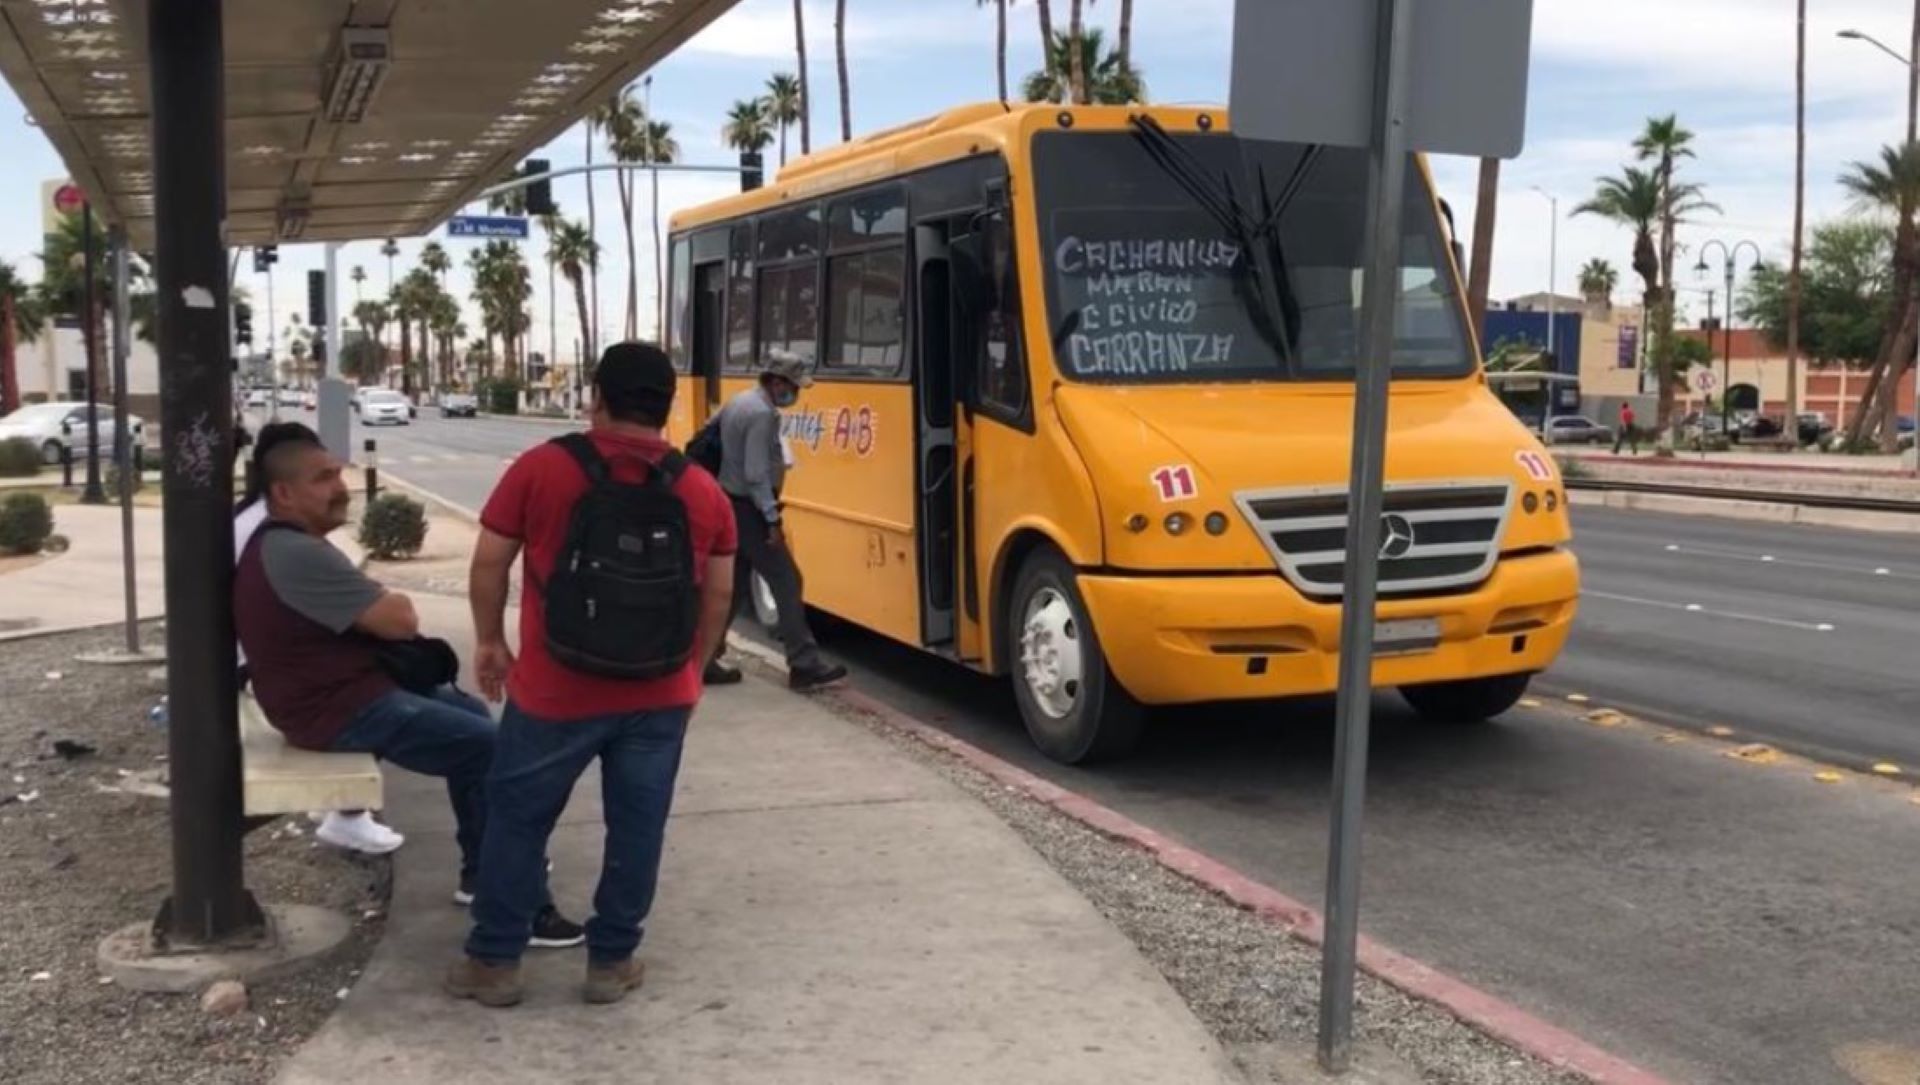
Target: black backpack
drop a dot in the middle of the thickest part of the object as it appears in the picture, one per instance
(705, 449)
(621, 600)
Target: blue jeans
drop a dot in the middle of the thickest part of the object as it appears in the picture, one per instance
(536, 763)
(449, 734)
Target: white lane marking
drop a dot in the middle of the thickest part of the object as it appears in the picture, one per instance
(1696, 608)
(1769, 559)
(419, 459)
(452, 457)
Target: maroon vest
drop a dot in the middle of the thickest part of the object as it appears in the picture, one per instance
(309, 680)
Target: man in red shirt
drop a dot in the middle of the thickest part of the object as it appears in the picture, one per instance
(1626, 434)
(558, 719)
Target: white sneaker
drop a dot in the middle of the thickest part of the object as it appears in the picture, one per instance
(358, 832)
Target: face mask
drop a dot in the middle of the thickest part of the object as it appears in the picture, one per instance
(786, 397)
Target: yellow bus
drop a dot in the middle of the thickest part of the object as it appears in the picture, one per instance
(1082, 412)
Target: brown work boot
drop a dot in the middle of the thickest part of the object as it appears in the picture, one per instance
(608, 983)
(496, 985)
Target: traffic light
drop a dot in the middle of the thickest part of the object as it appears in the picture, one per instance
(264, 257)
(539, 193)
(317, 298)
(243, 323)
(752, 171)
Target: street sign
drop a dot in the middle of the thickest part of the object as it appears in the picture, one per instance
(487, 226)
(1303, 71)
(1705, 380)
(68, 199)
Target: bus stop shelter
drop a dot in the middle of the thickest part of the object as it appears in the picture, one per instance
(199, 126)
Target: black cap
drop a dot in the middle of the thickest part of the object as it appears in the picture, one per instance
(635, 378)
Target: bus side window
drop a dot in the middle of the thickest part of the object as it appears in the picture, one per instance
(739, 357)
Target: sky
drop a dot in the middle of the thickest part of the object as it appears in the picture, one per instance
(1599, 70)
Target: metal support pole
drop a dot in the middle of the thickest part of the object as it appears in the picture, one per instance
(372, 467)
(66, 455)
(1726, 360)
(89, 304)
(333, 413)
(123, 436)
(1386, 188)
(210, 905)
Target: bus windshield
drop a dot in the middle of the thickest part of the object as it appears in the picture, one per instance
(1151, 277)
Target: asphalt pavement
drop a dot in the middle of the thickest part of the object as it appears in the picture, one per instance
(1715, 919)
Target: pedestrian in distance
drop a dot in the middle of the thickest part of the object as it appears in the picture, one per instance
(627, 554)
(1625, 433)
(753, 468)
(331, 657)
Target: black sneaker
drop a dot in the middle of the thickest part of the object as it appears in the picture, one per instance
(551, 930)
(719, 674)
(818, 676)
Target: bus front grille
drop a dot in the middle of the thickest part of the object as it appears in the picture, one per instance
(1434, 537)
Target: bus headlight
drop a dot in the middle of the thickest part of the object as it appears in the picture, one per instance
(1178, 523)
(1216, 523)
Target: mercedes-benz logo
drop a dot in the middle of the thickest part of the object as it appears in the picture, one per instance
(1396, 536)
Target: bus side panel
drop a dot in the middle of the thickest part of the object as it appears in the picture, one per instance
(850, 503)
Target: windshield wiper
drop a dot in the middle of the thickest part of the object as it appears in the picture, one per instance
(1272, 303)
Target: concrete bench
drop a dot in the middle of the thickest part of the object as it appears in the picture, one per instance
(282, 779)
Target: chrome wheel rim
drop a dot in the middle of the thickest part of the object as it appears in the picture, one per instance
(1052, 662)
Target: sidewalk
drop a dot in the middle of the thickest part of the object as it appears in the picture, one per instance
(1879, 477)
(830, 911)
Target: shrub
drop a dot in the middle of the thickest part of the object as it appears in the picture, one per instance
(1573, 467)
(394, 528)
(498, 395)
(26, 521)
(19, 458)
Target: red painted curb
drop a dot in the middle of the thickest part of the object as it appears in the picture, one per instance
(1491, 1015)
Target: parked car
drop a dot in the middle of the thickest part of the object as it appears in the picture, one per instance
(54, 427)
(290, 397)
(380, 406)
(1759, 427)
(1812, 427)
(458, 405)
(260, 397)
(310, 401)
(1574, 429)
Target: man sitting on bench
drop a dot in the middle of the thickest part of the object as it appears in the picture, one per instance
(310, 623)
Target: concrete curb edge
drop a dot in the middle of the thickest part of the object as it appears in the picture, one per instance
(77, 627)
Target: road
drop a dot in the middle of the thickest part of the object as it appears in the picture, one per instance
(1716, 920)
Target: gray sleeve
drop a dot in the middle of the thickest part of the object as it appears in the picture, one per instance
(316, 580)
(761, 454)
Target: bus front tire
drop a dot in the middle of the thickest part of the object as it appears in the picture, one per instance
(1074, 709)
(1469, 700)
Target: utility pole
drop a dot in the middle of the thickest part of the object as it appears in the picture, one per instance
(123, 451)
(89, 304)
(1553, 276)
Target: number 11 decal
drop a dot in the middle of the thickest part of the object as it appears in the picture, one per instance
(1174, 483)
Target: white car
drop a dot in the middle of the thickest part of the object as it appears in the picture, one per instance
(54, 427)
(378, 407)
(260, 397)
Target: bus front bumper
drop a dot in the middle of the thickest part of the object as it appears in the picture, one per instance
(1180, 640)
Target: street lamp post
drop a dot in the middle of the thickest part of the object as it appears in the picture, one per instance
(1912, 63)
(1553, 272)
(1728, 256)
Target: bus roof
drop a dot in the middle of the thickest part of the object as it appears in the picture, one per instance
(958, 133)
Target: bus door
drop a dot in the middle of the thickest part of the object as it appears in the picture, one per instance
(936, 470)
(709, 337)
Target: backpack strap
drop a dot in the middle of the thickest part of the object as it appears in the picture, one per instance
(668, 471)
(580, 447)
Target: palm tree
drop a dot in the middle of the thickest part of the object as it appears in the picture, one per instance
(372, 316)
(840, 54)
(1636, 200)
(1665, 142)
(21, 321)
(390, 249)
(1126, 33)
(1598, 278)
(501, 286)
(1889, 186)
(1108, 81)
(806, 97)
(602, 117)
(1077, 58)
(1794, 288)
(626, 141)
(359, 276)
(661, 149)
(783, 105)
(433, 257)
(1000, 41)
(1044, 9)
(571, 247)
(747, 127)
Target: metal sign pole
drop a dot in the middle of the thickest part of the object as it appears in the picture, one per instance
(123, 435)
(1386, 184)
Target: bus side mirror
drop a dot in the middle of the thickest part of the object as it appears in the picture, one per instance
(1453, 240)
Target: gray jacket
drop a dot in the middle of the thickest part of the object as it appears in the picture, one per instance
(752, 465)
